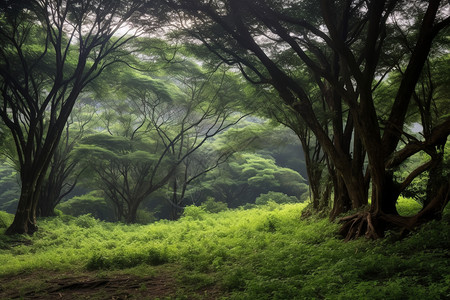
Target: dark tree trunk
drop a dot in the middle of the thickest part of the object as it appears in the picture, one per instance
(374, 224)
(32, 177)
(131, 216)
(341, 201)
(175, 201)
(175, 212)
(46, 207)
(435, 177)
(433, 210)
(48, 199)
(319, 190)
(383, 213)
(25, 217)
(315, 186)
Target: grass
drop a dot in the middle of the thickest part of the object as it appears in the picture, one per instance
(266, 252)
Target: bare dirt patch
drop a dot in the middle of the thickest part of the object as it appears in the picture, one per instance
(51, 285)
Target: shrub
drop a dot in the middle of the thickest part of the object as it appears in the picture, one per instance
(145, 217)
(85, 221)
(5, 219)
(212, 206)
(276, 197)
(91, 203)
(156, 257)
(96, 262)
(194, 212)
(126, 259)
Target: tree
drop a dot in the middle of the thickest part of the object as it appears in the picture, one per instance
(255, 52)
(63, 174)
(51, 51)
(245, 177)
(347, 48)
(317, 166)
(153, 135)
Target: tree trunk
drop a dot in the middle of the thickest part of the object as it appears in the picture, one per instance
(25, 217)
(174, 212)
(341, 202)
(318, 190)
(175, 202)
(46, 207)
(435, 177)
(374, 224)
(384, 194)
(48, 200)
(314, 177)
(131, 217)
(433, 210)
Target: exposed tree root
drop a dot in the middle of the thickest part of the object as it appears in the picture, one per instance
(358, 225)
(373, 225)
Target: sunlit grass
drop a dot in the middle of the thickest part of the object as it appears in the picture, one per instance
(407, 206)
(267, 252)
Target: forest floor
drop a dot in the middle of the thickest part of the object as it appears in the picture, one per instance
(50, 285)
(266, 252)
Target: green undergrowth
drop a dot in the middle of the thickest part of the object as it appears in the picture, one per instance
(267, 252)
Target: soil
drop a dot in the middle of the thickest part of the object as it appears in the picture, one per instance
(53, 285)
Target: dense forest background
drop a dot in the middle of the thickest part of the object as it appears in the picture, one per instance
(272, 172)
(140, 145)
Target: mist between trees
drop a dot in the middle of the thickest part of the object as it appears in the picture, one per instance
(224, 104)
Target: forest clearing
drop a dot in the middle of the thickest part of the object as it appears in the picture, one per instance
(267, 252)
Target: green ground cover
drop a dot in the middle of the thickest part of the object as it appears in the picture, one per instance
(267, 252)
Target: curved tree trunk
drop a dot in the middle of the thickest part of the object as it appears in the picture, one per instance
(25, 217)
(435, 177)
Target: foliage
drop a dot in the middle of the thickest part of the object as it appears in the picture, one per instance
(9, 188)
(92, 203)
(418, 187)
(246, 176)
(5, 219)
(193, 212)
(406, 207)
(275, 197)
(213, 206)
(266, 252)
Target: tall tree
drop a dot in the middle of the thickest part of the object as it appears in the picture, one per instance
(152, 136)
(317, 166)
(348, 47)
(63, 173)
(51, 49)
